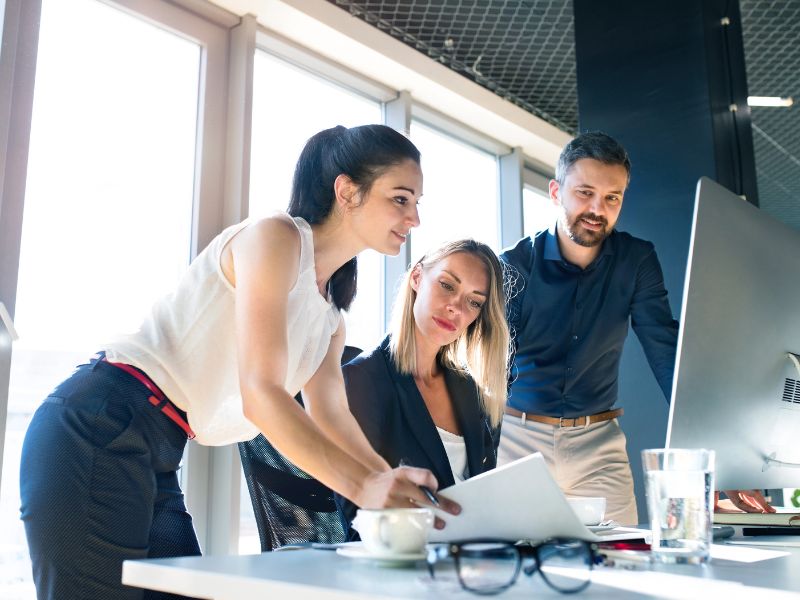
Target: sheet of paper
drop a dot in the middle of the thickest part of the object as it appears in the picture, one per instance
(743, 554)
(683, 587)
(777, 541)
(672, 586)
(669, 585)
(519, 500)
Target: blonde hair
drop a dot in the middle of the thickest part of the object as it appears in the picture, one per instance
(482, 350)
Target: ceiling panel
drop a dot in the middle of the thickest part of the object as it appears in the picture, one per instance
(524, 51)
(772, 54)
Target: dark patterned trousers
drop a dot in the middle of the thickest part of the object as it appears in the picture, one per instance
(99, 485)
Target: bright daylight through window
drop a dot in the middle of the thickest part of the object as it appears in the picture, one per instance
(460, 192)
(538, 211)
(111, 169)
(289, 106)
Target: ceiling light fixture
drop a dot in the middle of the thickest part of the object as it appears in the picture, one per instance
(769, 101)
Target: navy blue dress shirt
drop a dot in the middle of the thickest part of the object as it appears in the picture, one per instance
(570, 323)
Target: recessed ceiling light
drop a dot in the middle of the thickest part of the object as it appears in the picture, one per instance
(769, 101)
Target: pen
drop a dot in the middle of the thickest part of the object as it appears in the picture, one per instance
(425, 489)
(625, 559)
(430, 495)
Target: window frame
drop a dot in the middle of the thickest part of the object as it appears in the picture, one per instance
(210, 30)
(20, 39)
(211, 477)
(537, 180)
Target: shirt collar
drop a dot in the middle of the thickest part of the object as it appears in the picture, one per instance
(551, 249)
(553, 252)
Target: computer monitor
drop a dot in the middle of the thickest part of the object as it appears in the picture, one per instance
(736, 390)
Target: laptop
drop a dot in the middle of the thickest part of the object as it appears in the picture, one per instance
(519, 501)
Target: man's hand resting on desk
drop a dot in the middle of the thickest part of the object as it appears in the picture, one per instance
(751, 501)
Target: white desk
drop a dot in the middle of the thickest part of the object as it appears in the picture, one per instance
(322, 574)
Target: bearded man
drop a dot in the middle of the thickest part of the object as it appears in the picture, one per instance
(581, 283)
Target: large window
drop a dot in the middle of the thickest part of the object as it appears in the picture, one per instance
(2, 20)
(108, 209)
(538, 210)
(124, 110)
(460, 192)
(290, 105)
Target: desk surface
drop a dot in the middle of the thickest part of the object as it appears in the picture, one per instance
(323, 574)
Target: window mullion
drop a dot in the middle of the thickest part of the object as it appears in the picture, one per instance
(396, 114)
(20, 40)
(510, 208)
(213, 477)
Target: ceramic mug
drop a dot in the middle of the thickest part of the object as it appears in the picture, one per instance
(590, 510)
(393, 531)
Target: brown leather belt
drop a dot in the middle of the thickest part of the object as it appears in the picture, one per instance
(565, 421)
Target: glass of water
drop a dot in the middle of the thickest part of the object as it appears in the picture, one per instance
(680, 495)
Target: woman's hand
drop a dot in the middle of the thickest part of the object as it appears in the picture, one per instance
(751, 501)
(400, 488)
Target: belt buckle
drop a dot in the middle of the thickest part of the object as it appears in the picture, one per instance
(574, 424)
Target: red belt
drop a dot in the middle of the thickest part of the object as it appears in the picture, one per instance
(158, 399)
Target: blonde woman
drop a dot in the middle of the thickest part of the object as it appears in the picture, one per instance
(432, 394)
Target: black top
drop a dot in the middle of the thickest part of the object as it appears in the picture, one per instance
(395, 420)
(569, 324)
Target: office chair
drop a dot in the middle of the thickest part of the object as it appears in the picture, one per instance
(290, 506)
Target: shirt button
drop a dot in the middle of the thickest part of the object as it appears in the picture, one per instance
(569, 369)
(574, 338)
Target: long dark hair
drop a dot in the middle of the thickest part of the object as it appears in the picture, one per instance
(363, 154)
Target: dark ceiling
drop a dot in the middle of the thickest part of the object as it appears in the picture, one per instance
(524, 51)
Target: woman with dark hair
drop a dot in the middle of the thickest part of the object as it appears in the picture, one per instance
(432, 394)
(255, 318)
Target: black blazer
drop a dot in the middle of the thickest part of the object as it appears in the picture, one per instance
(393, 416)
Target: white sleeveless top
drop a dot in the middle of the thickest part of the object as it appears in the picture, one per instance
(187, 345)
(456, 450)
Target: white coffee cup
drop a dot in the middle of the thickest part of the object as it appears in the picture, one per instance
(393, 531)
(590, 510)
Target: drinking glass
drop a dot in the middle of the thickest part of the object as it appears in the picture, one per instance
(680, 489)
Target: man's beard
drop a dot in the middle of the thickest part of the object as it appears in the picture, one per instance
(582, 236)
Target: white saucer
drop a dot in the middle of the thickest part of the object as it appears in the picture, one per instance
(596, 528)
(357, 550)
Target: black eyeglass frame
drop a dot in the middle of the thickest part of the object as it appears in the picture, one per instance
(521, 550)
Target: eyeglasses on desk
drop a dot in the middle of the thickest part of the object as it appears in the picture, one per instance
(490, 566)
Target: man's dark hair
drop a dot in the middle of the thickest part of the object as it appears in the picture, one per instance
(593, 144)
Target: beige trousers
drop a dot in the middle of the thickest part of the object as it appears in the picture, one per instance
(584, 461)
